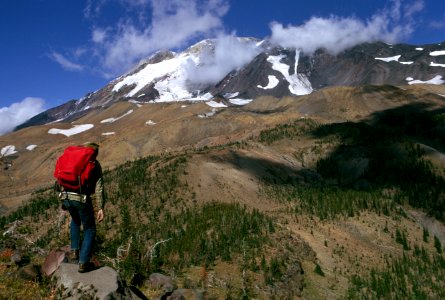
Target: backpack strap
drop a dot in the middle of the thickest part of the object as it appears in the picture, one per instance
(73, 196)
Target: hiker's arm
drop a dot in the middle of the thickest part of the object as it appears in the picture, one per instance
(100, 193)
(100, 215)
(100, 198)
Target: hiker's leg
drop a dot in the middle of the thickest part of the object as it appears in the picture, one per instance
(89, 232)
(75, 225)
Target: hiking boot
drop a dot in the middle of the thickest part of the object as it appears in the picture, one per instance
(86, 267)
(73, 255)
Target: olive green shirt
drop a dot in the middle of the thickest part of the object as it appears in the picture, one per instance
(99, 190)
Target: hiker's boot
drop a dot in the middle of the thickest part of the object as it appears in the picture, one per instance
(73, 255)
(86, 267)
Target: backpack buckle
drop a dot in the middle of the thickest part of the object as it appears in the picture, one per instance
(73, 196)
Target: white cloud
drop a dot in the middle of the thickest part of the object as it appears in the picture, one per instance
(413, 8)
(93, 8)
(336, 34)
(17, 113)
(99, 35)
(230, 54)
(437, 24)
(173, 24)
(151, 25)
(64, 62)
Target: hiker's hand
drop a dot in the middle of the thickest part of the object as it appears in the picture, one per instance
(100, 215)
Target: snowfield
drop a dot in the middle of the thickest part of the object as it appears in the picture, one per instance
(436, 80)
(112, 120)
(76, 129)
(7, 150)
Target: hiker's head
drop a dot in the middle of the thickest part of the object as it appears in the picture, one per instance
(93, 145)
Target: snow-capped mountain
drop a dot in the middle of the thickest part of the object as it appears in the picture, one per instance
(246, 68)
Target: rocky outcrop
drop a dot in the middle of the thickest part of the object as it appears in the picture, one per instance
(103, 283)
(54, 259)
(167, 289)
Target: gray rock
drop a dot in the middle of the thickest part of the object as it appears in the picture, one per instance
(186, 294)
(103, 283)
(163, 283)
(160, 281)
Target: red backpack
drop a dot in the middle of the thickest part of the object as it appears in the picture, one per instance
(75, 169)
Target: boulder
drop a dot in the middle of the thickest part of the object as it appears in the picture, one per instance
(160, 281)
(102, 283)
(186, 294)
(164, 284)
(54, 259)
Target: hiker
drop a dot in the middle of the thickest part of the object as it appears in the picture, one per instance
(76, 197)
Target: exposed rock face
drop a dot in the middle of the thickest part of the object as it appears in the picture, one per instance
(275, 71)
(51, 114)
(103, 283)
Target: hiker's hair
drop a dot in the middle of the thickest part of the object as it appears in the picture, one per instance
(93, 145)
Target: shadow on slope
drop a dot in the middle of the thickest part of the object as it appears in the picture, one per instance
(269, 171)
(391, 149)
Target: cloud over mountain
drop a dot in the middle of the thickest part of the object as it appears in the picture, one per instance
(336, 34)
(19, 112)
(230, 53)
(173, 24)
(151, 25)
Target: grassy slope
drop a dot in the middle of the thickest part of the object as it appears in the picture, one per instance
(309, 210)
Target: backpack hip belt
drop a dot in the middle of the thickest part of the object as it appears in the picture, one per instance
(73, 196)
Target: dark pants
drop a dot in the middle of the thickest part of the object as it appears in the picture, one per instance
(82, 214)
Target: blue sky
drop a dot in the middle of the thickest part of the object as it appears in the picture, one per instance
(52, 51)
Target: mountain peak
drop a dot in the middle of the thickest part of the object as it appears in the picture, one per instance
(249, 68)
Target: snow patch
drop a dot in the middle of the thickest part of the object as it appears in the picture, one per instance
(436, 80)
(205, 97)
(31, 147)
(72, 131)
(150, 122)
(208, 114)
(215, 104)
(394, 58)
(108, 133)
(299, 84)
(437, 53)
(169, 76)
(240, 101)
(409, 78)
(112, 120)
(273, 82)
(7, 150)
(388, 59)
(419, 49)
(230, 95)
(432, 64)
